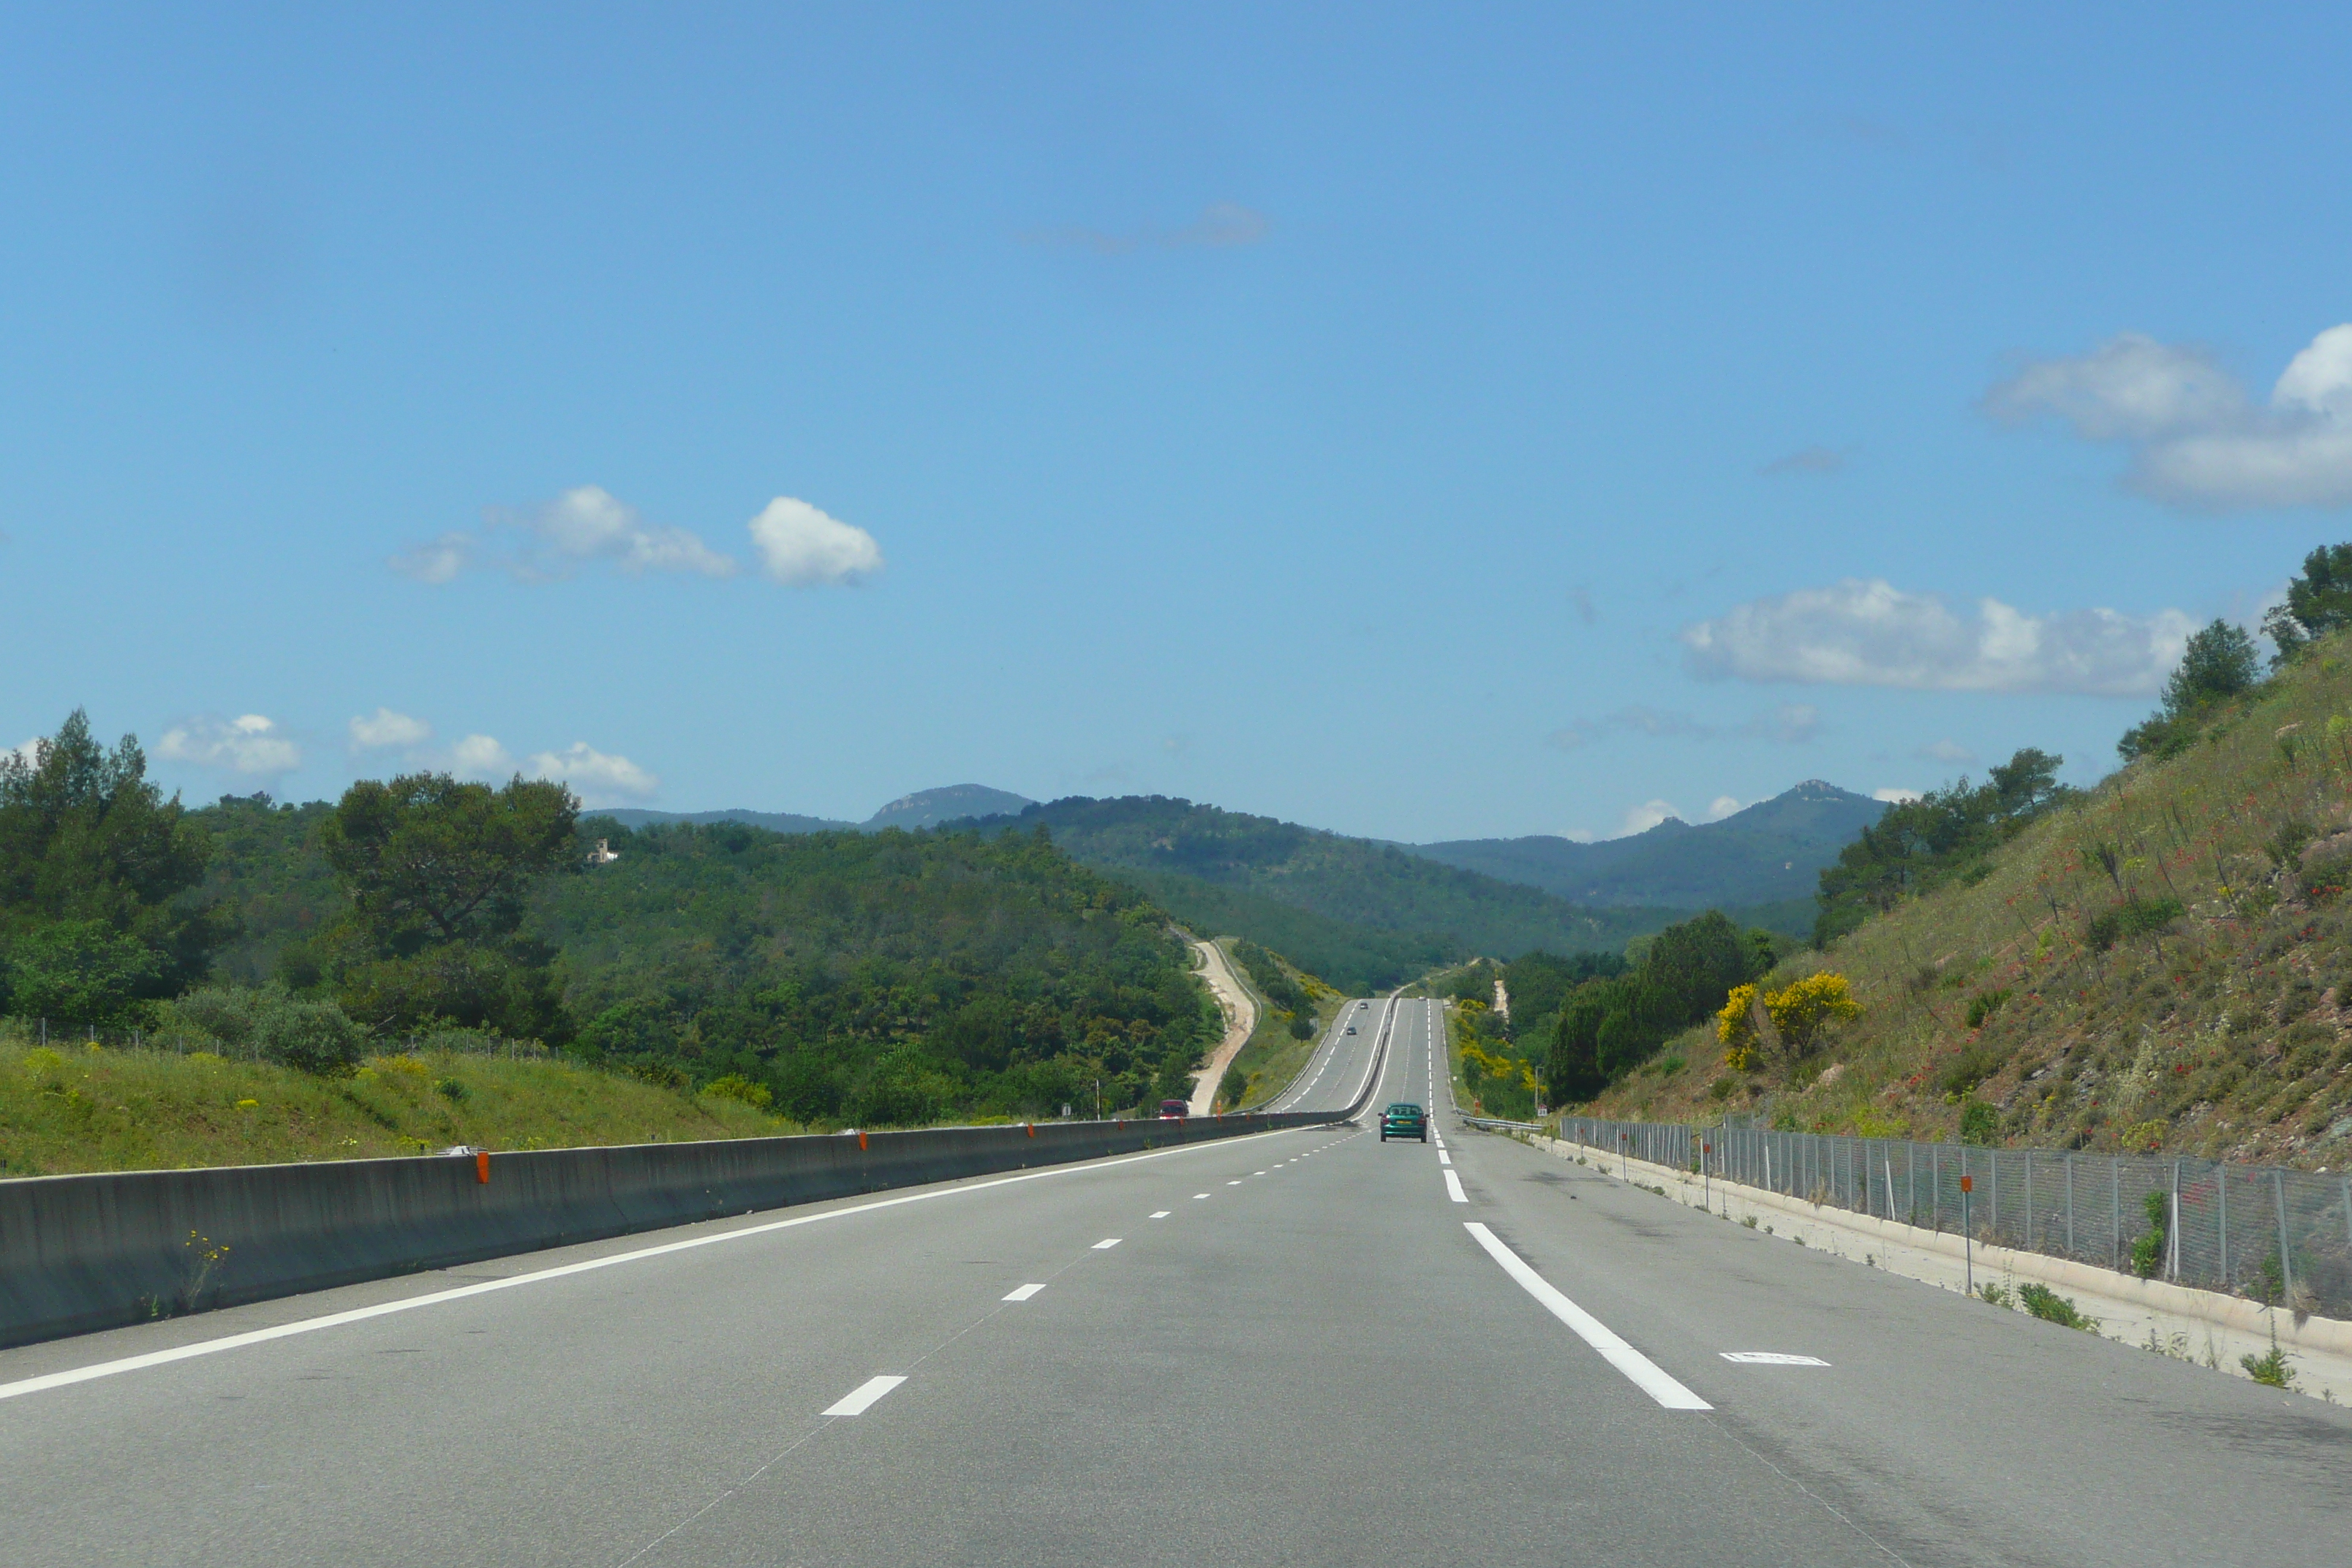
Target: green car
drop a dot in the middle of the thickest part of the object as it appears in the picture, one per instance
(1403, 1120)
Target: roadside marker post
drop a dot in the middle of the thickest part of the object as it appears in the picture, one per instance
(1705, 1190)
(1968, 1236)
(482, 1167)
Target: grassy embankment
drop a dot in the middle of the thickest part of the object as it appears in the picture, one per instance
(69, 1108)
(1272, 1059)
(2165, 964)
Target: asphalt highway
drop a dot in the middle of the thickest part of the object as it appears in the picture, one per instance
(1301, 1348)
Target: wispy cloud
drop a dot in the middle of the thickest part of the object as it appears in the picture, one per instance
(555, 540)
(1951, 752)
(1870, 633)
(1806, 460)
(2196, 439)
(250, 746)
(1894, 794)
(1721, 806)
(1221, 225)
(384, 730)
(1789, 723)
(599, 778)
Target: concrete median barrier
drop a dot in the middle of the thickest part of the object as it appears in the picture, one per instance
(88, 1252)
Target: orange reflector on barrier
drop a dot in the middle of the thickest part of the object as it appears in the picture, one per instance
(861, 1139)
(482, 1167)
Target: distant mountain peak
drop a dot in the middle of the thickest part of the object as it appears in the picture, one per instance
(930, 808)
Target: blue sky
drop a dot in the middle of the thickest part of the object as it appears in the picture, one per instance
(1415, 422)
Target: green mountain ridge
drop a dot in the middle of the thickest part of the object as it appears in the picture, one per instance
(1399, 911)
(1769, 853)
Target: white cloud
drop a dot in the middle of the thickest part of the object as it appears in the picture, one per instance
(552, 540)
(1579, 836)
(1858, 632)
(29, 754)
(387, 729)
(480, 757)
(801, 546)
(2196, 439)
(1723, 806)
(251, 745)
(599, 778)
(1648, 815)
(1945, 752)
(1894, 794)
(437, 561)
(589, 523)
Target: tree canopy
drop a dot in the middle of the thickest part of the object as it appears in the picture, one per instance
(2219, 663)
(95, 865)
(2318, 601)
(1920, 844)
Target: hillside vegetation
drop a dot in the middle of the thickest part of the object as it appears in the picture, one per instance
(70, 1108)
(1753, 864)
(1221, 870)
(2162, 962)
(876, 978)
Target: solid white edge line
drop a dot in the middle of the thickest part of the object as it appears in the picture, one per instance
(1453, 1188)
(95, 1370)
(859, 1400)
(1023, 1292)
(1639, 1369)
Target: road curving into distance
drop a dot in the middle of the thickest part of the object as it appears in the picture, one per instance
(1306, 1347)
(1240, 1008)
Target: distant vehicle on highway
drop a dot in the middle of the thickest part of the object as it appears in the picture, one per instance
(1174, 1110)
(1403, 1120)
(1351, 1028)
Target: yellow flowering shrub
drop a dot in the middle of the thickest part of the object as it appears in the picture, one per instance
(1795, 1014)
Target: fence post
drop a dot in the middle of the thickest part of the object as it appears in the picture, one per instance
(2029, 1247)
(2286, 1259)
(1935, 1187)
(2070, 1206)
(1911, 1182)
(1992, 1167)
(2115, 1216)
(2221, 1203)
(2172, 1260)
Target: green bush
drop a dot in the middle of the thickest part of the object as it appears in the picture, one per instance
(313, 1037)
(2147, 1252)
(2272, 1369)
(1979, 1124)
(734, 1086)
(2051, 1307)
(2133, 916)
(1985, 1006)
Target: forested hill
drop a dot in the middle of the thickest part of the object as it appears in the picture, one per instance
(1359, 912)
(871, 978)
(1769, 853)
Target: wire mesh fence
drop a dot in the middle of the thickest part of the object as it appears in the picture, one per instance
(2271, 1235)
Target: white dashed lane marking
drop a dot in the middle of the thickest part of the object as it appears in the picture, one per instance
(1107, 1244)
(859, 1400)
(1024, 1293)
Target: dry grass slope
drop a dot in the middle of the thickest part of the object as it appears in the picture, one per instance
(2166, 964)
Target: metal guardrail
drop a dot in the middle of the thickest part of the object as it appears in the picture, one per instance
(1496, 1124)
(2266, 1233)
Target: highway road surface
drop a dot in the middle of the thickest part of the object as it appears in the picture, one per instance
(1303, 1348)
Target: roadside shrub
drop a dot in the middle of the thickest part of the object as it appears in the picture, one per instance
(2271, 1369)
(449, 1088)
(1979, 1124)
(1794, 1017)
(313, 1037)
(2147, 1252)
(736, 1087)
(2051, 1307)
